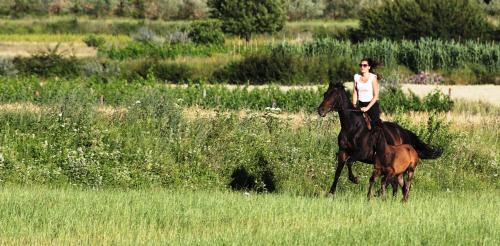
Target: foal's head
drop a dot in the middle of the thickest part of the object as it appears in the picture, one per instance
(335, 98)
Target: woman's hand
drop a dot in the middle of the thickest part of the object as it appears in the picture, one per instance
(364, 109)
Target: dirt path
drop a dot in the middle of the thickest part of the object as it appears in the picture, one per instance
(78, 49)
(296, 120)
(485, 93)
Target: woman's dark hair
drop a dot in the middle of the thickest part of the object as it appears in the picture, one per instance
(373, 65)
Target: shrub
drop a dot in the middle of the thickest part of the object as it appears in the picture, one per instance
(414, 19)
(304, 9)
(102, 70)
(261, 68)
(48, 63)
(7, 67)
(178, 36)
(146, 35)
(153, 50)
(164, 71)
(341, 9)
(394, 100)
(207, 32)
(284, 66)
(94, 41)
(245, 18)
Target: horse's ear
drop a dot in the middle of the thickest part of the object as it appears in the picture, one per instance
(330, 76)
(332, 81)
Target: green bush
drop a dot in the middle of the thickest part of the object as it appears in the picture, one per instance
(207, 32)
(280, 65)
(157, 50)
(163, 71)
(48, 63)
(94, 41)
(394, 100)
(414, 19)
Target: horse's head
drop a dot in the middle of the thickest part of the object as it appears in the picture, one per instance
(334, 99)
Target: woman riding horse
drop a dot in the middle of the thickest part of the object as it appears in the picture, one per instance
(366, 90)
(355, 139)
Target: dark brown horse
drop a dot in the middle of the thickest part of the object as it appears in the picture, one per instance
(392, 161)
(355, 140)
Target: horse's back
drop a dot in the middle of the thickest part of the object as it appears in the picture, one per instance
(395, 134)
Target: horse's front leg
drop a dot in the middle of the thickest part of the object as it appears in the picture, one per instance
(341, 160)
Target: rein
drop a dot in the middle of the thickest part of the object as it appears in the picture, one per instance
(365, 117)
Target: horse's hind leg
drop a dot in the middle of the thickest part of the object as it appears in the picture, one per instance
(341, 159)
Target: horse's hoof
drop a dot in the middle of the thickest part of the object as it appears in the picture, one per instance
(354, 180)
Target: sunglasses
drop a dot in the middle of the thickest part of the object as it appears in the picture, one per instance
(363, 65)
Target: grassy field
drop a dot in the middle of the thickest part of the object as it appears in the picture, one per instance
(38, 215)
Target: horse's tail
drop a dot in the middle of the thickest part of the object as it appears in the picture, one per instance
(425, 151)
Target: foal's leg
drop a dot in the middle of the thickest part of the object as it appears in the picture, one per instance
(399, 182)
(385, 183)
(375, 175)
(411, 172)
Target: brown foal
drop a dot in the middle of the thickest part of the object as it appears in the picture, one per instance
(392, 161)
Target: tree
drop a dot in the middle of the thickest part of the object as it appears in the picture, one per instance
(139, 9)
(19, 8)
(413, 19)
(246, 17)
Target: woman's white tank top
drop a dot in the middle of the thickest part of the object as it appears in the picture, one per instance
(365, 89)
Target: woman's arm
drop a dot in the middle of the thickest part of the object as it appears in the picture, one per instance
(375, 96)
(354, 95)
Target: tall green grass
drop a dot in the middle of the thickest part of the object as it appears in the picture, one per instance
(120, 92)
(424, 54)
(38, 215)
(147, 142)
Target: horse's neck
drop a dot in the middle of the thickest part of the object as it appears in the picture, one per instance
(346, 115)
(351, 121)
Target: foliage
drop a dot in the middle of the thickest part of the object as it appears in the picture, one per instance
(51, 62)
(339, 9)
(94, 41)
(245, 18)
(422, 55)
(415, 19)
(119, 92)
(146, 140)
(155, 50)
(304, 9)
(207, 32)
(7, 67)
(163, 71)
